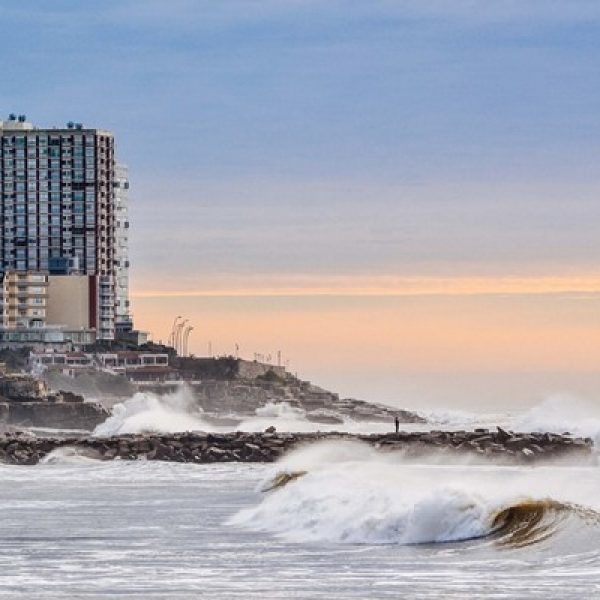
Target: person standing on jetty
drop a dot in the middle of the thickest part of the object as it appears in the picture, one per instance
(397, 423)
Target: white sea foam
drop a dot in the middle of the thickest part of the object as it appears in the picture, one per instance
(67, 455)
(282, 415)
(148, 412)
(179, 411)
(562, 413)
(280, 409)
(353, 494)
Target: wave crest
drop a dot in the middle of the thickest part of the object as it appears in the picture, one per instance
(529, 522)
(338, 493)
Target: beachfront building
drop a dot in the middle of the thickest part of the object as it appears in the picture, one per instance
(136, 366)
(61, 194)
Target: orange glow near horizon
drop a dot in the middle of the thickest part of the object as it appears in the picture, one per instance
(437, 333)
(381, 286)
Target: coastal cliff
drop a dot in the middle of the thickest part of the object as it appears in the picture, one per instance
(222, 387)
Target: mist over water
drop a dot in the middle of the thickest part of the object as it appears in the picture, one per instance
(180, 411)
(465, 390)
(562, 413)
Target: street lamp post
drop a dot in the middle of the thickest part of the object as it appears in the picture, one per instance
(186, 337)
(178, 331)
(172, 334)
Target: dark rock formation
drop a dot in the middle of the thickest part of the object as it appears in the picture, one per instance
(502, 446)
(225, 386)
(18, 388)
(27, 402)
(244, 396)
(53, 415)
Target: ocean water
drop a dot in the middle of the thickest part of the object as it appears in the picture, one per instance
(352, 524)
(330, 520)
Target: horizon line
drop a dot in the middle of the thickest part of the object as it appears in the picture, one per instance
(589, 287)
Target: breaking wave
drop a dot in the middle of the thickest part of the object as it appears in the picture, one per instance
(146, 412)
(560, 414)
(282, 415)
(348, 493)
(532, 521)
(179, 411)
(68, 455)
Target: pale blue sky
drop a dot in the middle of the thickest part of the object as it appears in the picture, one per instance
(330, 136)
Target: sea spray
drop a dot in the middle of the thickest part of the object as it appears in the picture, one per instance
(68, 455)
(346, 493)
(562, 413)
(180, 411)
(149, 412)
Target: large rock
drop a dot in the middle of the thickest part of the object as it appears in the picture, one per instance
(27, 402)
(60, 415)
(23, 388)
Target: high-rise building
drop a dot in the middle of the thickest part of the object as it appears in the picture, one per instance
(123, 321)
(58, 190)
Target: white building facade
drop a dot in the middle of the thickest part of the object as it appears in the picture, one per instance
(121, 186)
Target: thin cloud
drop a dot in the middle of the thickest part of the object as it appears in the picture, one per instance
(583, 287)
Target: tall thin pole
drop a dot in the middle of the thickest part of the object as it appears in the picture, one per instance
(172, 334)
(186, 337)
(180, 327)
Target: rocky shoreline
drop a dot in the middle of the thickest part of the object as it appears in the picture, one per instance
(26, 401)
(25, 449)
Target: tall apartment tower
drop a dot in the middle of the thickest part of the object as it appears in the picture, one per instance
(57, 205)
(123, 322)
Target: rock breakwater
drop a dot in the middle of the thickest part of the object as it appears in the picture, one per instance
(26, 449)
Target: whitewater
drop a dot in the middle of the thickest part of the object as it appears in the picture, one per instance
(178, 411)
(331, 520)
(355, 525)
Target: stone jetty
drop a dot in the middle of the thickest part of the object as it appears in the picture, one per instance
(505, 446)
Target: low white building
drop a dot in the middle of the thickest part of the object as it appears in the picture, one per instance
(139, 366)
